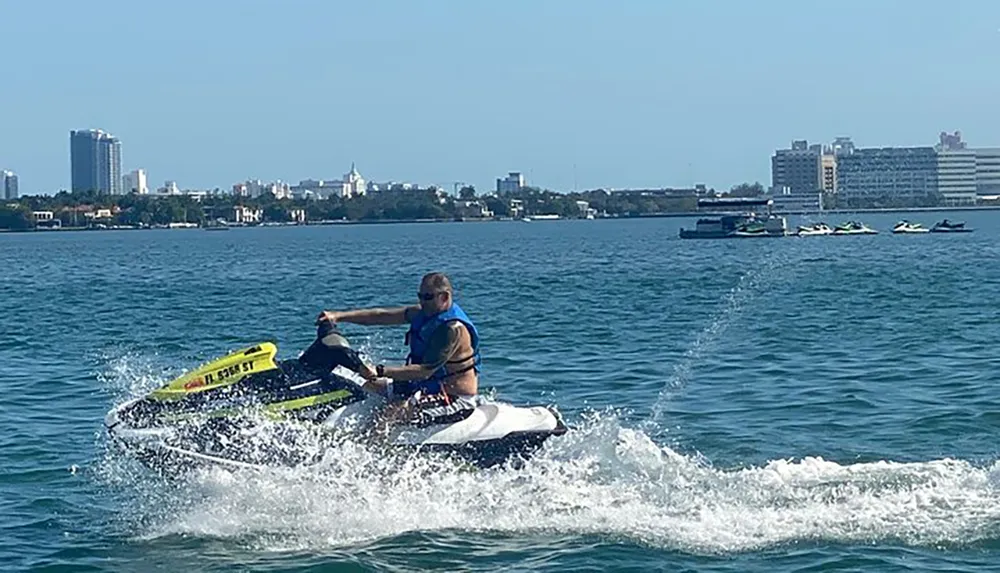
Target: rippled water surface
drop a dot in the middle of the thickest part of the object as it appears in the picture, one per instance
(820, 403)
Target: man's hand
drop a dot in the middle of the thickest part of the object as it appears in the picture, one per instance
(367, 372)
(328, 315)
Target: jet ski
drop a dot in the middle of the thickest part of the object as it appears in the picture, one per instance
(814, 230)
(947, 226)
(751, 229)
(249, 409)
(854, 228)
(905, 227)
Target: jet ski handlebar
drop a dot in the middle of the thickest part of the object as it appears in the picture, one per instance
(330, 349)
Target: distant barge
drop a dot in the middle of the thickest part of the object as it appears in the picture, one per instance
(746, 223)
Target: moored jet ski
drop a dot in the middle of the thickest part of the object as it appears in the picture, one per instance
(248, 409)
(854, 228)
(906, 227)
(814, 230)
(947, 226)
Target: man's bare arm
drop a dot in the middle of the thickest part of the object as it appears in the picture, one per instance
(371, 316)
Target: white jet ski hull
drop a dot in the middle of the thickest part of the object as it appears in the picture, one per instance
(494, 433)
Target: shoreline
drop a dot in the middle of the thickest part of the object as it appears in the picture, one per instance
(680, 215)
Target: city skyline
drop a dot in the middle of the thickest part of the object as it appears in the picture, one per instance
(599, 95)
(99, 158)
(950, 172)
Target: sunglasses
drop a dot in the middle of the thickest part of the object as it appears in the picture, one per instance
(429, 295)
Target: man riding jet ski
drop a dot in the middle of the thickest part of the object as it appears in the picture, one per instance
(249, 409)
(440, 380)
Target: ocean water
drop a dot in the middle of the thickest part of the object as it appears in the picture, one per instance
(799, 404)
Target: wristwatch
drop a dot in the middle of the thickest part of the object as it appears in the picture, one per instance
(380, 370)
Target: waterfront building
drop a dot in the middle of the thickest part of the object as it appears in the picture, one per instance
(254, 188)
(898, 176)
(956, 177)
(246, 215)
(828, 169)
(393, 186)
(46, 219)
(512, 183)
(806, 169)
(9, 184)
(316, 189)
(135, 182)
(241, 190)
(797, 169)
(169, 188)
(516, 208)
(95, 162)
(988, 171)
(474, 209)
(956, 167)
(797, 202)
(352, 184)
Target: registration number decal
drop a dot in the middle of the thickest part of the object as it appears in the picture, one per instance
(226, 373)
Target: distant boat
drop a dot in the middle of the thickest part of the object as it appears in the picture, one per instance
(217, 225)
(737, 226)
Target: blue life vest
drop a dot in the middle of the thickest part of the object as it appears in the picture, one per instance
(422, 327)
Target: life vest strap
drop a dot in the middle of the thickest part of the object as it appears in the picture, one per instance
(469, 357)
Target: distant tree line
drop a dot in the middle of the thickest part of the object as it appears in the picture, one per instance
(408, 204)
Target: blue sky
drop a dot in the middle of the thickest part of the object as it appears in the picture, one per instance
(574, 93)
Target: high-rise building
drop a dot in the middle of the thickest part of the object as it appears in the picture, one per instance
(510, 184)
(8, 183)
(797, 169)
(956, 168)
(135, 182)
(899, 176)
(96, 162)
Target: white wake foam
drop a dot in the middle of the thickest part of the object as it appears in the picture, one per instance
(601, 479)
